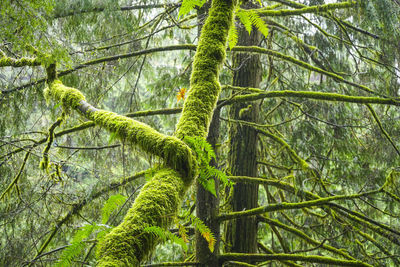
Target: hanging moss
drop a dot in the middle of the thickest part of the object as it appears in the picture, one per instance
(157, 204)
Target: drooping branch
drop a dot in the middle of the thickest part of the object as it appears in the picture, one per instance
(251, 49)
(89, 124)
(280, 257)
(304, 65)
(306, 237)
(356, 217)
(63, 14)
(304, 10)
(76, 208)
(333, 97)
(289, 206)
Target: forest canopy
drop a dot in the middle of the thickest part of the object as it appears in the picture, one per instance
(199, 133)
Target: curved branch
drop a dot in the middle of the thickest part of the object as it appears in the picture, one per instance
(281, 257)
(304, 10)
(176, 153)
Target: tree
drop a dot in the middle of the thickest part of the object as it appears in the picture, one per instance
(322, 51)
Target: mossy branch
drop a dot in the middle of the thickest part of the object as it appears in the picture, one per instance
(375, 226)
(16, 63)
(128, 244)
(173, 151)
(80, 205)
(304, 10)
(305, 65)
(281, 257)
(44, 163)
(204, 82)
(306, 237)
(333, 97)
(158, 202)
(289, 206)
(188, 263)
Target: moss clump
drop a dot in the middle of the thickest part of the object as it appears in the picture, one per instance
(68, 96)
(157, 204)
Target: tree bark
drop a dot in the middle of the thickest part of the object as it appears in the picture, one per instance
(241, 234)
(207, 205)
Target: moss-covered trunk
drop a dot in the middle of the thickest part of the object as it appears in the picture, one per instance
(158, 202)
(207, 205)
(241, 234)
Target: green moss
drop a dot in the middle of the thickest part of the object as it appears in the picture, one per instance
(21, 62)
(311, 9)
(68, 96)
(157, 204)
(44, 163)
(176, 153)
(204, 85)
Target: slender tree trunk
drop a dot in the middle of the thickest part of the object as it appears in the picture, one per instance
(207, 205)
(241, 234)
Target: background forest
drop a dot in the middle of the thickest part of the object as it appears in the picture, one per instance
(301, 163)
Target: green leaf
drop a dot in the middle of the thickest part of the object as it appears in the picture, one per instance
(166, 235)
(113, 136)
(232, 36)
(111, 204)
(76, 246)
(189, 5)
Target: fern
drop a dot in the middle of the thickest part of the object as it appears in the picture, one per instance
(165, 235)
(245, 19)
(204, 231)
(205, 154)
(76, 245)
(232, 36)
(258, 23)
(188, 5)
(111, 204)
(250, 18)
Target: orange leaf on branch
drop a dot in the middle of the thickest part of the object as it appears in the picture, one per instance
(181, 94)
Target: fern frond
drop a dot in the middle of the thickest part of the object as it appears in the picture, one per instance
(188, 5)
(245, 19)
(258, 22)
(76, 246)
(232, 36)
(165, 235)
(204, 231)
(183, 232)
(252, 18)
(111, 204)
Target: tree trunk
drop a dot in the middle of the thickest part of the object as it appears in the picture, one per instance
(241, 234)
